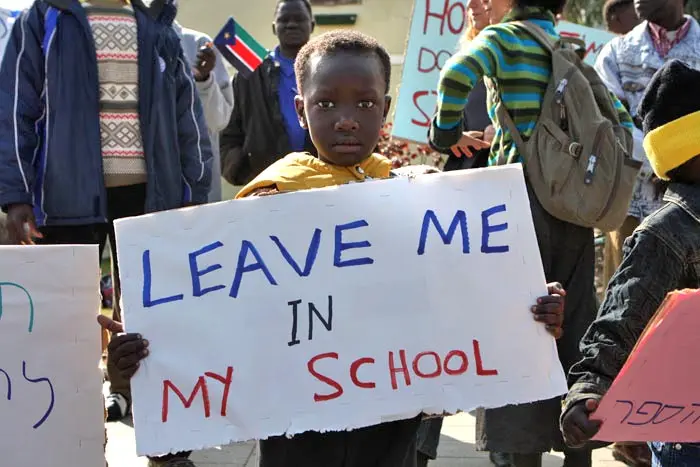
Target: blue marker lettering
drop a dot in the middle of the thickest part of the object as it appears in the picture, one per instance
(487, 229)
(340, 246)
(196, 273)
(148, 302)
(459, 220)
(241, 267)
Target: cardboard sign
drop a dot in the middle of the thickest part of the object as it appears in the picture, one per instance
(655, 397)
(433, 37)
(335, 309)
(50, 383)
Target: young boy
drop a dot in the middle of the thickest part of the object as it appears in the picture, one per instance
(343, 81)
(659, 257)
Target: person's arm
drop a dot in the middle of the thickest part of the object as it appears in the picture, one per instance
(193, 137)
(233, 161)
(459, 75)
(21, 85)
(216, 92)
(650, 269)
(608, 69)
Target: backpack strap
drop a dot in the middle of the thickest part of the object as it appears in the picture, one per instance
(506, 121)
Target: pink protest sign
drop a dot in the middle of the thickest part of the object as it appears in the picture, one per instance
(656, 396)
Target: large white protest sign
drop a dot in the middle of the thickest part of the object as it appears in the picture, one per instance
(50, 383)
(335, 308)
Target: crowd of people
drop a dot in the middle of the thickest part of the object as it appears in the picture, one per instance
(111, 109)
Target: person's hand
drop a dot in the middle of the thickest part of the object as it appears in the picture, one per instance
(469, 142)
(577, 426)
(549, 310)
(479, 14)
(489, 134)
(21, 226)
(125, 351)
(206, 61)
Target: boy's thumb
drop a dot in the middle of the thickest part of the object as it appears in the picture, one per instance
(109, 324)
(591, 405)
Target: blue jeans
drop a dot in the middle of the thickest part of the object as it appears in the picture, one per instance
(675, 454)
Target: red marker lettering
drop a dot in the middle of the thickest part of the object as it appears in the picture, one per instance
(325, 379)
(353, 373)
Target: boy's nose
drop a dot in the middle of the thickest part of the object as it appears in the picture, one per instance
(347, 124)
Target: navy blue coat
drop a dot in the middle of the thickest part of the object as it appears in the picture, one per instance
(50, 151)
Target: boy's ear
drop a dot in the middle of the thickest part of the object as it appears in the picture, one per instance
(313, 26)
(274, 29)
(299, 106)
(387, 106)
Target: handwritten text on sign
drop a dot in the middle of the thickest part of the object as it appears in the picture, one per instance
(334, 309)
(436, 27)
(655, 397)
(50, 385)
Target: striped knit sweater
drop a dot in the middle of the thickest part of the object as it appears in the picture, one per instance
(521, 68)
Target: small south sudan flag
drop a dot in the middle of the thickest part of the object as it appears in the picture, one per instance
(239, 48)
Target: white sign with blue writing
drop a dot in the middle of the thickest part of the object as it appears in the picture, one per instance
(335, 308)
(52, 413)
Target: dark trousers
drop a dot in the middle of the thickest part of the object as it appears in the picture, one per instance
(122, 202)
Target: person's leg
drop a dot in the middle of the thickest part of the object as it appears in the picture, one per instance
(613, 247)
(526, 460)
(181, 459)
(500, 459)
(121, 202)
(421, 459)
(578, 457)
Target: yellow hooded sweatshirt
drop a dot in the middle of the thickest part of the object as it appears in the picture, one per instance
(302, 171)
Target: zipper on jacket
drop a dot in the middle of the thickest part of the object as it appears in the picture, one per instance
(615, 187)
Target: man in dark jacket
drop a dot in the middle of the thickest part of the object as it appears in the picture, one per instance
(101, 121)
(264, 126)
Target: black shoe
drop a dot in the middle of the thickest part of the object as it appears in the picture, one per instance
(499, 459)
(118, 407)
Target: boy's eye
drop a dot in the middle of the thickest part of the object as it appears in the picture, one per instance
(326, 104)
(366, 104)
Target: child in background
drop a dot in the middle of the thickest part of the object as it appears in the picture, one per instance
(343, 81)
(620, 16)
(659, 257)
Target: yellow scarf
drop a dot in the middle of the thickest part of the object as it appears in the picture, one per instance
(302, 171)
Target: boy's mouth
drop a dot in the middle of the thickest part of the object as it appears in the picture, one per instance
(347, 146)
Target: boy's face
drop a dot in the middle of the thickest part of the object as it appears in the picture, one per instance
(344, 105)
(625, 20)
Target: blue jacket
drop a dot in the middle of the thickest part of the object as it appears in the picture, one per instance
(50, 151)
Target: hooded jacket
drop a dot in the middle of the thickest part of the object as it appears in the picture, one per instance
(50, 148)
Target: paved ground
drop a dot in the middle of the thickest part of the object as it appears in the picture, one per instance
(456, 449)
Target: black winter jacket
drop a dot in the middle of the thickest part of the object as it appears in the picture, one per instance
(255, 136)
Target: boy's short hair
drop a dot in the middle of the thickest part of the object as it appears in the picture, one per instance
(306, 4)
(341, 40)
(555, 6)
(612, 7)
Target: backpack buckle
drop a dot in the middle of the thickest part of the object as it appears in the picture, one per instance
(575, 149)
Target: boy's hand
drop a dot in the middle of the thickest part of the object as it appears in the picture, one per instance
(549, 310)
(470, 141)
(21, 226)
(125, 351)
(576, 425)
(206, 61)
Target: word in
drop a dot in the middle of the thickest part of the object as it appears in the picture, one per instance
(313, 311)
(200, 386)
(425, 365)
(48, 411)
(656, 413)
(250, 260)
(29, 297)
